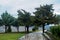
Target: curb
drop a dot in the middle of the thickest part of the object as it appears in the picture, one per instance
(48, 38)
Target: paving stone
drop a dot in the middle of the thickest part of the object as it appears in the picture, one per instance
(33, 36)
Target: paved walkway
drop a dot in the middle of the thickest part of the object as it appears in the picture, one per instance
(33, 36)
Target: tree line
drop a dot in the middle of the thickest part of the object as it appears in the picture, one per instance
(43, 15)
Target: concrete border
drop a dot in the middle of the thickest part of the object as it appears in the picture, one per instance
(48, 38)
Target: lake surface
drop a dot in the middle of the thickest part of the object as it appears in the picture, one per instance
(14, 29)
(22, 28)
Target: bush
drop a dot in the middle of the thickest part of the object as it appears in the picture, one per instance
(35, 28)
(55, 30)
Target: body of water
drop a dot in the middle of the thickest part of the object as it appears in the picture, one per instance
(22, 28)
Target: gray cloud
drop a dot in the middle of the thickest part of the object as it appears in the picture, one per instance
(13, 5)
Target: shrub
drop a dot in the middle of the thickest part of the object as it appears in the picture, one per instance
(35, 28)
(55, 30)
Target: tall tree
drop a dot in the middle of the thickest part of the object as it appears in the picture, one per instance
(1, 23)
(24, 18)
(15, 23)
(7, 19)
(44, 14)
(57, 19)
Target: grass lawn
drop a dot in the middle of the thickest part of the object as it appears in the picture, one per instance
(11, 36)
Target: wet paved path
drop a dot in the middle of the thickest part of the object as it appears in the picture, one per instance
(33, 36)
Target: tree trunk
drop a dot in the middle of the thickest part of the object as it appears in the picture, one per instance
(9, 28)
(5, 29)
(43, 27)
(18, 29)
(27, 29)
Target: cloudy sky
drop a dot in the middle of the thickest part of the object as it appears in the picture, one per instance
(13, 5)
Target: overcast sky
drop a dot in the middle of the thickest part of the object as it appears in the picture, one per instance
(13, 5)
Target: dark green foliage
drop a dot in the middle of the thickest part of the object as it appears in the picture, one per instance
(15, 23)
(43, 15)
(1, 23)
(57, 19)
(55, 30)
(7, 20)
(24, 18)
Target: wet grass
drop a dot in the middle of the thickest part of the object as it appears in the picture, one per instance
(11, 36)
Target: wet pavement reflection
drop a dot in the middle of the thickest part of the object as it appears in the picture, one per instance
(33, 36)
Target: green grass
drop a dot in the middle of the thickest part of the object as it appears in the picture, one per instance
(11, 36)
